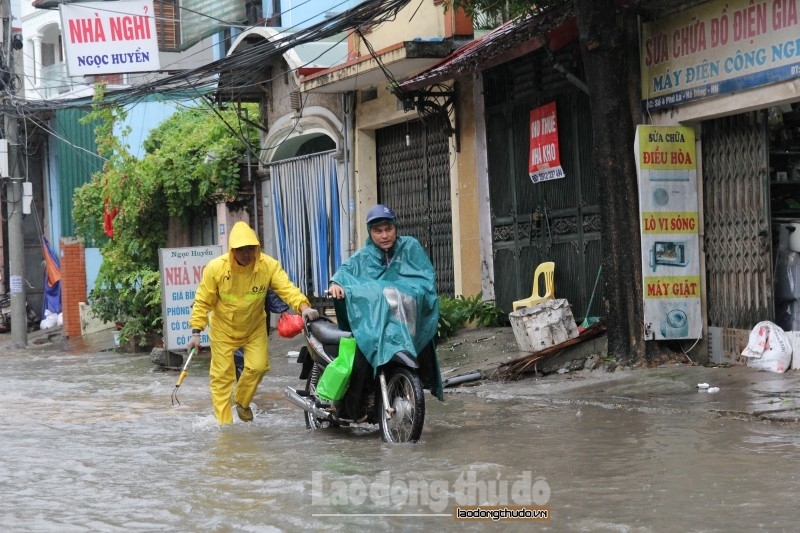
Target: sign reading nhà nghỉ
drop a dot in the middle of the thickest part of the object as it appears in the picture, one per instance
(109, 37)
(181, 272)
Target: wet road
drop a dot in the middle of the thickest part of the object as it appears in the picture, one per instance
(91, 442)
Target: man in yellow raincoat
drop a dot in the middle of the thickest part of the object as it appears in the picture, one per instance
(231, 297)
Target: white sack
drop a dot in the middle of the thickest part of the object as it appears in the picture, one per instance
(768, 348)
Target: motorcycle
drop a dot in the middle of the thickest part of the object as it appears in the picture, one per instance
(5, 315)
(391, 397)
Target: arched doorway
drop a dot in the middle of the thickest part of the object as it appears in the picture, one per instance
(306, 192)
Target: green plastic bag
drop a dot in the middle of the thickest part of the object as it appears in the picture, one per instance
(336, 377)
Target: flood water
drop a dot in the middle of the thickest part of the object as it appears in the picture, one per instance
(91, 442)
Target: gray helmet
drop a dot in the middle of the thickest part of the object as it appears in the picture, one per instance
(379, 214)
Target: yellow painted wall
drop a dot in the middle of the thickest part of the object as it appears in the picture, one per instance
(369, 116)
(385, 111)
(465, 200)
(425, 19)
(420, 19)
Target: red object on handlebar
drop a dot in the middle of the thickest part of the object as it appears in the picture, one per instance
(289, 325)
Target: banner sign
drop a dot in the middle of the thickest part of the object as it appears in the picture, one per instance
(544, 161)
(109, 37)
(667, 171)
(718, 47)
(181, 273)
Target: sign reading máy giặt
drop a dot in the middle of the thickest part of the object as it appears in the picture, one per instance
(668, 204)
(181, 272)
(109, 37)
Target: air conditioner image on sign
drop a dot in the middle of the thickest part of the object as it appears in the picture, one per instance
(669, 253)
(671, 195)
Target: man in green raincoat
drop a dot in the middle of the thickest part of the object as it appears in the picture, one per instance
(231, 297)
(392, 304)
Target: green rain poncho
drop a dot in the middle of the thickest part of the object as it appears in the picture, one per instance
(395, 307)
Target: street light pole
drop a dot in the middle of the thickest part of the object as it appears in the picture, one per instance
(16, 241)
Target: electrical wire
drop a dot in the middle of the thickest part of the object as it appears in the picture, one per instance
(249, 147)
(376, 57)
(204, 81)
(236, 69)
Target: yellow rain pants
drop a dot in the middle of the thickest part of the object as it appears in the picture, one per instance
(223, 372)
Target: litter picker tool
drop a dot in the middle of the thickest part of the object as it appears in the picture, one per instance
(184, 373)
(585, 324)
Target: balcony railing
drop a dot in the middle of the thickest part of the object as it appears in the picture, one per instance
(54, 80)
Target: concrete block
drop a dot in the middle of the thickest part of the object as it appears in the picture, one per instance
(544, 325)
(90, 323)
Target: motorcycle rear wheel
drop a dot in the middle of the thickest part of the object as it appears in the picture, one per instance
(312, 422)
(406, 397)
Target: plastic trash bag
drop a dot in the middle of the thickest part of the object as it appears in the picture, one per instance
(50, 320)
(768, 348)
(335, 378)
(289, 325)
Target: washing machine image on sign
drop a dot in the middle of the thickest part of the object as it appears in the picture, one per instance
(674, 321)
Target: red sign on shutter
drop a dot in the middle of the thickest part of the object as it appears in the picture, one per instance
(544, 159)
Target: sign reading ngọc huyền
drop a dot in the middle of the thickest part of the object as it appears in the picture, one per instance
(669, 221)
(181, 273)
(544, 158)
(716, 48)
(109, 37)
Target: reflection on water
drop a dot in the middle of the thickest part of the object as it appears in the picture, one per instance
(91, 442)
(100, 341)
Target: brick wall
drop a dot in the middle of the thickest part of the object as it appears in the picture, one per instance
(73, 284)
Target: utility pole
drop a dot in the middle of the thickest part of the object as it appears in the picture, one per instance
(16, 240)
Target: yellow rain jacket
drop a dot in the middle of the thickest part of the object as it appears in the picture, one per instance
(231, 297)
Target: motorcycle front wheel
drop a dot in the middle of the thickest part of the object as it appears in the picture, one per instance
(408, 402)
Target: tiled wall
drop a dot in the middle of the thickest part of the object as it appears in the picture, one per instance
(73, 284)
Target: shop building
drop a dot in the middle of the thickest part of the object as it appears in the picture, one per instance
(731, 70)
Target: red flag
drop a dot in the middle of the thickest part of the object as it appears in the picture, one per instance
(108, 218)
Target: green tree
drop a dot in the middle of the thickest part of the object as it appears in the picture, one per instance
(173, 179)
(195, 157)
